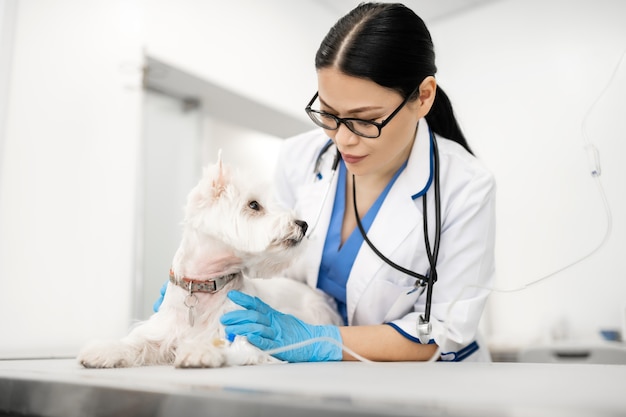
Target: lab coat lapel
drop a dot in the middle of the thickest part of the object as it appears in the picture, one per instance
(398, 217)
(309, 207)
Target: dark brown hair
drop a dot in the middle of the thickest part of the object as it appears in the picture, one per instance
(389, 44)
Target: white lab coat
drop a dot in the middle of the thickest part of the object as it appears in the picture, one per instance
(377, 293)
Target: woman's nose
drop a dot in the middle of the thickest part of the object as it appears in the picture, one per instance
(345, 137)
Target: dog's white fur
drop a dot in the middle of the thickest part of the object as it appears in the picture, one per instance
(230, 226)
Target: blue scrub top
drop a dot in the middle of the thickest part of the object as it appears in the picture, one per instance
(337, 260)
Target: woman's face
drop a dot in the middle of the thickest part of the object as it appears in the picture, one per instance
(347, 96)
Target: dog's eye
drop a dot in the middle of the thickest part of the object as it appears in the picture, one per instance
(254, 205)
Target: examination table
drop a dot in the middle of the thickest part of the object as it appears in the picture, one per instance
(60, 387)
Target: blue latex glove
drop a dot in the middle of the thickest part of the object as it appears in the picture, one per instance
(159, 301)
(268, 329)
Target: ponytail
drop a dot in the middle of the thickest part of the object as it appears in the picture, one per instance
(442, 121)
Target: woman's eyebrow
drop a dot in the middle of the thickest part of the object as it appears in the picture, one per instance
(352, 111)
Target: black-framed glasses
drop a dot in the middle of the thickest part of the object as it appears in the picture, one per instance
(365, 128)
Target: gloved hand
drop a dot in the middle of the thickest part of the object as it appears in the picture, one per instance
(159, 301)
(268, 329)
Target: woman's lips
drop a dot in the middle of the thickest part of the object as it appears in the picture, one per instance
(352, 159)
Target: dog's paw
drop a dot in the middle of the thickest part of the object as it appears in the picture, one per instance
(200, 355)
(241, 352)
(107, 354)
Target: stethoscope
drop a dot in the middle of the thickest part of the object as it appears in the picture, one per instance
(423, 282)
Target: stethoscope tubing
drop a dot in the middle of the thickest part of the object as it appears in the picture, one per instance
(430, 278)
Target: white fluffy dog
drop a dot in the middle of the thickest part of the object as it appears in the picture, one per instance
(231, 232)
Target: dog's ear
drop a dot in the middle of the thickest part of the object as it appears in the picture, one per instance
(220, 182)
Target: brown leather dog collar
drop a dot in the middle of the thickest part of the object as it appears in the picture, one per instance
(211, 285)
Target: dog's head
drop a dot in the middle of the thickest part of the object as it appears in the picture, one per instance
(239, 215)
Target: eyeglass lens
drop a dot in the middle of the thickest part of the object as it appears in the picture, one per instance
(360, 127)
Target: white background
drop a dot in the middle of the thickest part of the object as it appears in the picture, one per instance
(521, 74)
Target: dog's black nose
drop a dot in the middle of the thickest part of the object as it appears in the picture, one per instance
(302, 225)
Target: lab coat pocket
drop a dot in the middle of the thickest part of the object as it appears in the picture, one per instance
(386, 301)
(404, 303)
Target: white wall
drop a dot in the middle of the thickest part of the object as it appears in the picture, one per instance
(522, 75)
(8, 11)
(68, 175)
(261, 49)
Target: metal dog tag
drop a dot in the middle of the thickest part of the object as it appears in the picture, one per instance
(190, 302)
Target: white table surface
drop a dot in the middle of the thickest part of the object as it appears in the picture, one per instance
(61, 387)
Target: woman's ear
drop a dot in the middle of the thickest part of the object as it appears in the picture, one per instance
(427, 92)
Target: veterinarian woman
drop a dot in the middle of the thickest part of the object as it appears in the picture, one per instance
(377, 64)
(389, 138)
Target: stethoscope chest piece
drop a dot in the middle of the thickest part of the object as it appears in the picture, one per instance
(424, 328)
